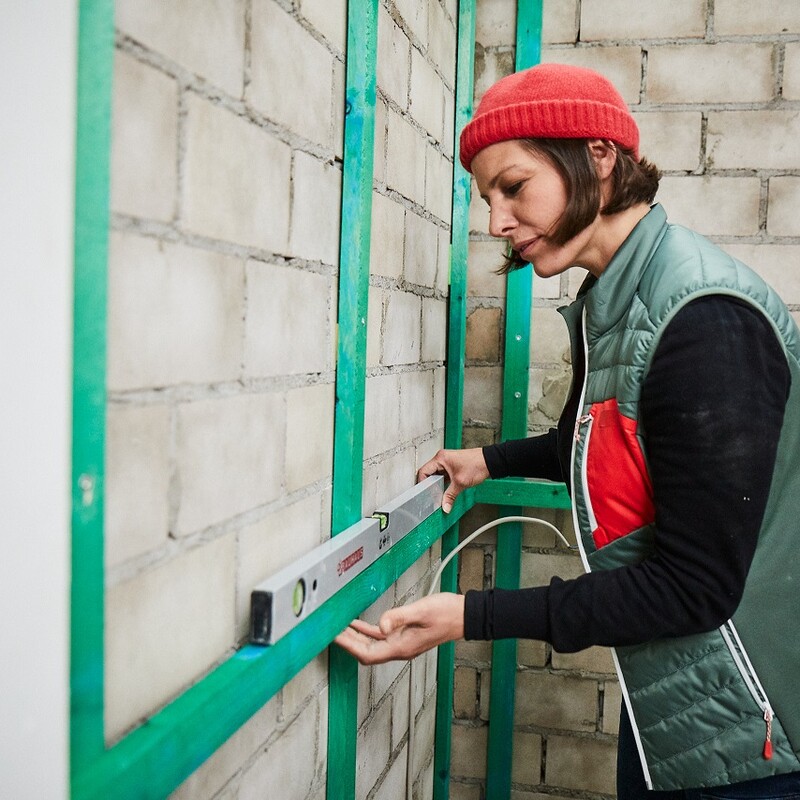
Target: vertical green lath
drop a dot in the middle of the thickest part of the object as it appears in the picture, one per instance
(456, 335)
(515, 425)
(359, 138)
(93, 134)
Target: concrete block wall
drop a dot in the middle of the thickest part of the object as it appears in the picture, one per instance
(227, 125)
(714, 86)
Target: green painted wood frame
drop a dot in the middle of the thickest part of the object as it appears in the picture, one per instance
(454, 397)
(92, 156)
(156, 757)
(516, 363)
(351, 364)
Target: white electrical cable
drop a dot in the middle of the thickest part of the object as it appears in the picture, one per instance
(450, 556)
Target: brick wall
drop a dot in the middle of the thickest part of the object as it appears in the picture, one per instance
(226, 183)
(714, 86)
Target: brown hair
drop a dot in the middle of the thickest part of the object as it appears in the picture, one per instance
(632, 182)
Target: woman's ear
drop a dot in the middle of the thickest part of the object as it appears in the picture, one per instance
(604, 155)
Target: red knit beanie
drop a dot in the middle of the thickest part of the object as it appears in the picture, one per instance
(550, 101)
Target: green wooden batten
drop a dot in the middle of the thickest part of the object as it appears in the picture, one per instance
(93, 135)
(519, 287)
(454, 394)
(154, 759)
(348, 458)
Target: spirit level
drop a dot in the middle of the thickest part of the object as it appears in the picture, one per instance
(286, 598)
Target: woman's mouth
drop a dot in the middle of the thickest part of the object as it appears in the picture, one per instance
(523, 248)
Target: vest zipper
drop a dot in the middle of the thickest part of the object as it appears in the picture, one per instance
(587, 420)
(750, 678)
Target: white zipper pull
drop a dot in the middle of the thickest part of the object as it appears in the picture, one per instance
(767, 752)
(578, 422)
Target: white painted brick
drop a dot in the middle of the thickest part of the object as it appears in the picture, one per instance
(175, 314)
(420, 252)
(393, 55)
(576, 276)
(482, 394)
(144, 141)
(791, 72)
(426, 96)
(560, 22)
(137, 480)
(381, 414)
(443, 260)
(424, 743)
(164, 628)
(384, 675)
(416, 404)
(439, 396)
(490, 66)
(307, 682)
(280, 772)
(400, 710)
(732, 134)
(671, 139)
(204, 36)
(427, 449)
(621, 65)
(393, 785)
(339, 84)
(387, 479)
(316, 206)
(296, 92)
(290, 317)
(322, 740)
(484, 258)
(374, 326)
(381, 141)
(634, 19)
(230, 454)
(784, 200)
(549, 336)
(478, 211)
(236, 182)
(710, 73)
(386, 251)
(742, 17)
(442, 42)
(405, 158)
(372, 749)
(272, 543)
(438, 184)
(547, 288)
(778, 264)
(227, 761)
(713, 206)
(496, 23)
(415, 15)
(449, 123)
(434, 330)
(329, 17)
(309, 435)
(402, 330)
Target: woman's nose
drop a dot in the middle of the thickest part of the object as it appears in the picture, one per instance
(501, 221)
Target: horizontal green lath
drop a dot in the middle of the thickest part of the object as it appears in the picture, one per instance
(523, 492)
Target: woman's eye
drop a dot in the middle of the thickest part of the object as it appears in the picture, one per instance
(514, 188)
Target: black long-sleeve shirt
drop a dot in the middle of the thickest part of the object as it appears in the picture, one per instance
(711, 410)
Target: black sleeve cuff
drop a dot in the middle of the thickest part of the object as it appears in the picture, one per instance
(507, 613)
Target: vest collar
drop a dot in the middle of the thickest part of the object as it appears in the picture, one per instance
(612, 293)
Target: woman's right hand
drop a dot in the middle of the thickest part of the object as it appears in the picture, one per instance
(463, 468)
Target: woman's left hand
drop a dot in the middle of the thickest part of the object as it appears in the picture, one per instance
(406, 631)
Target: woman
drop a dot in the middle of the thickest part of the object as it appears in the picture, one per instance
(678, 443)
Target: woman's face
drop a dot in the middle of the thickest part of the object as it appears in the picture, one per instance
(526, 197)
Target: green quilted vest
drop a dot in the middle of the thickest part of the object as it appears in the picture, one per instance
(701, 705)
